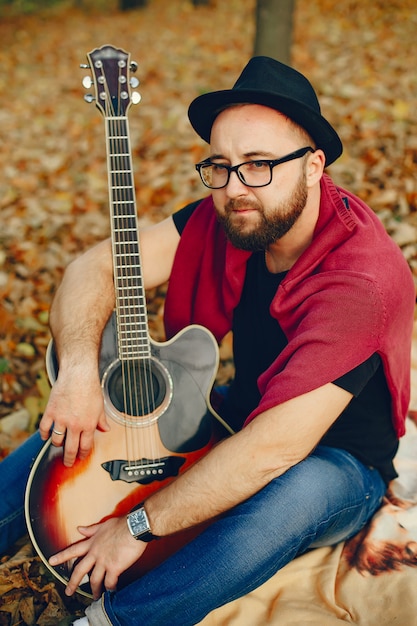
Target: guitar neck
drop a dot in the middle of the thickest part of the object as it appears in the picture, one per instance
(131, 312)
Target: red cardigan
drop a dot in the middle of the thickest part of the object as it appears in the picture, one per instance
(350, 294)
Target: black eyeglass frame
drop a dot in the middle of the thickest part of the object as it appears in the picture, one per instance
(235, 168)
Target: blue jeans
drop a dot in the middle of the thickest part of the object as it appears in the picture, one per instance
(14, 472)
(324, 499)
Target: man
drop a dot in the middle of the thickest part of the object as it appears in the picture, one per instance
(321, 304)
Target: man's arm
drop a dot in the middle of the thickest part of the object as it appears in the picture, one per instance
(234, 470)
(80, 310)
(243, 464)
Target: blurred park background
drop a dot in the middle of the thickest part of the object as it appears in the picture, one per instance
(360, 56)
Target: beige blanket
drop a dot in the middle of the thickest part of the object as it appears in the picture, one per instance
(370, 580)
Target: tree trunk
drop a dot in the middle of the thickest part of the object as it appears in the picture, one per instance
(274, 24)
(126, 5)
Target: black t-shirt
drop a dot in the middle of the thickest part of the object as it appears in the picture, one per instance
(365, 427)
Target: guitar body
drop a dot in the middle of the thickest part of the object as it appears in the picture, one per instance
(143, 451)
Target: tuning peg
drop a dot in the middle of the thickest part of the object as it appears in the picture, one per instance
(134, 82)
(84, 66)
(89, 98)
(133, 66)
(87, 82)
(136, 97)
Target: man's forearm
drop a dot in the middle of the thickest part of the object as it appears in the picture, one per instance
(240, 466)
(82, 306)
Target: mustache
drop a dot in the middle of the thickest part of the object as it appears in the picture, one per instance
(234, 204)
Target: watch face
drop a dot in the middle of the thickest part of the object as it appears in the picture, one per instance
(138, 522)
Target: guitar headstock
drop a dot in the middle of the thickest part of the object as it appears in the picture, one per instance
(110, 68)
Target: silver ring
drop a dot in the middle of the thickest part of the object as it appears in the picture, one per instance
(57, 432)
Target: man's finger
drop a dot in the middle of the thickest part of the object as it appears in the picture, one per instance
(45, 426)
(97, 580)
(80, 571)
(86, 444)
(103, 423)
(75, 551)
(58, 435)
(72, 443)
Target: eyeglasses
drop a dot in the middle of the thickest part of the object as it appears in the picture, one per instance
(256, 173)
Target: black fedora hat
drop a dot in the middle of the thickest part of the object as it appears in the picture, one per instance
(270, 83)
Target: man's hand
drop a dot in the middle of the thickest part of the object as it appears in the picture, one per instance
(106, 552)
(75, 410)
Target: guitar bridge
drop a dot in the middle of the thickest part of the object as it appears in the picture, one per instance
(144, 471)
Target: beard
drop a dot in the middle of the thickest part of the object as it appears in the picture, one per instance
(269, 228)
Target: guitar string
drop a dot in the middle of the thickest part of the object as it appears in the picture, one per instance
(112, 165)
(137, 379)
(129, 380)
(125, 306)
(144, 397)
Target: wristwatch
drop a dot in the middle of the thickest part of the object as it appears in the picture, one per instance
(138, 524)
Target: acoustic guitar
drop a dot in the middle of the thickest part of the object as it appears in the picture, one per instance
(156, 394)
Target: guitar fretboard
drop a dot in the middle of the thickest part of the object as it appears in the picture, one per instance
(132, 319)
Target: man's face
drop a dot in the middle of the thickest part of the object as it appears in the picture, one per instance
(254, 218)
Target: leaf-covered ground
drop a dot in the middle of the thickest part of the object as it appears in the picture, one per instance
(360, 56)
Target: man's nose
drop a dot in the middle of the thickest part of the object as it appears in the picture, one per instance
(235, 187)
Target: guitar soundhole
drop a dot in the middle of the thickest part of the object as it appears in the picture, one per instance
(137, 389)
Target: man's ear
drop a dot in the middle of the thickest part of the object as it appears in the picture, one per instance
(315, 167)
